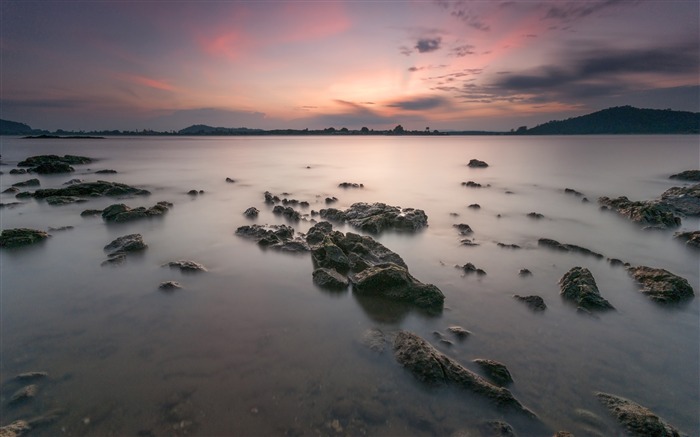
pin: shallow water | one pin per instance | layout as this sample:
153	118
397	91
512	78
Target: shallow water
252	347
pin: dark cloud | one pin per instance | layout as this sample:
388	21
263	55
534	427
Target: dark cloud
470	18
406	51
463	50
427	45
420	103
570	11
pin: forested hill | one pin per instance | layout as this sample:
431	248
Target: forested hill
622	120
8	127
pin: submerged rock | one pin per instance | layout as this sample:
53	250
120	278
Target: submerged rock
573	192
378	217
280	237
33	161
470	268
120	213
578	285
691	238
508	246
524	272
169	285
23	394
11	190
374	340
31	376
17	428
651	214
463	228
330	279
230	181
21	237
28	183
688	175
395	282
186	266
251	212
474	206
661	285
475	163
92	189
350	185
459	332
535	215
471	184
287	212
433	367
120	247
106	171
536	303
639	421
495	371
63	200
554	244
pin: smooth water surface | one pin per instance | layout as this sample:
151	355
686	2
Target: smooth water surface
252	347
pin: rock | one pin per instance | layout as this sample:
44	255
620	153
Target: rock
474	206
120	213
186	266
60	228
52	167
553	244
651	214
468	242
685	200
318	232
21	237
507	246
106	171
15	429
331	200
33	161
661	285
195	192
230	181
578	285
28	183
395	282
637	420
495	371
691	238
18	171
497	428
125	244
374	340
378	217
279	237
463	228
524	272
364	252
459	332
327	254
92	189
23	394
471	184
350	185
563	434
10	204
536	303
330	279
535	215
688	175
432	367
31	376
270	199
63	200
287	212
91	212
11	190
572	191
73	182
169	285
475	163
470	268
251	212
616	262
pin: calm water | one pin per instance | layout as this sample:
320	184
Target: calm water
252	347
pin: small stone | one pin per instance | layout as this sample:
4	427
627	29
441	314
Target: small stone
536	303
474	206
230	181
459	332
524	272
186	266
475	163
535	215
497	372
169	285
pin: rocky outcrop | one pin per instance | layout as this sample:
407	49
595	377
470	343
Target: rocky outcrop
330	279
578	285
28	183
360	251
688	175
433	367
463	228
186	266
92	189
120	247
661	285
279	237
650	214
21	237
535	215
495	371
34	161
251	212
691	238
378	217
685	200
396	283
23	394
475	163
119	213
639	421
536	303
169	286
106	171
554	244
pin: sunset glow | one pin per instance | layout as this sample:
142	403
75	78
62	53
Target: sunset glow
315	64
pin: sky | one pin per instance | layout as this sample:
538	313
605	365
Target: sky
440	64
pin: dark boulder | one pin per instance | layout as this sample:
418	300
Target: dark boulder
11	190
536	303
378	217
535	215
127	243
578	285
470	268
474	206
186	266
350	185
433	367
34	161
21	237
63	200
106	171
330	279
661	285
691	238
18	171
251	212
495	371
364	252
508	246
573	192
270	198
688	175
685	200
279	237
169	286
459	332
28	183
327	254
120	213
554	244
396	283
651	214
475	163
92	189
52	167
286	211
639	421
230	181
463	228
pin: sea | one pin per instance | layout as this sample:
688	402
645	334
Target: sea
252	347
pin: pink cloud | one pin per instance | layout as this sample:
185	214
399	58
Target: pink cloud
146	81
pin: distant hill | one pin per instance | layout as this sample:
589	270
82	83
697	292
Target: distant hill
622	120
8	127
203	129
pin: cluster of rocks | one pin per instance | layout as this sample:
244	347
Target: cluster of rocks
28	391
186	266
287	211
86	189
278	237
21	237
378	217
47	164
119	212
687	175
472	184
691	238
470	268
272	199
